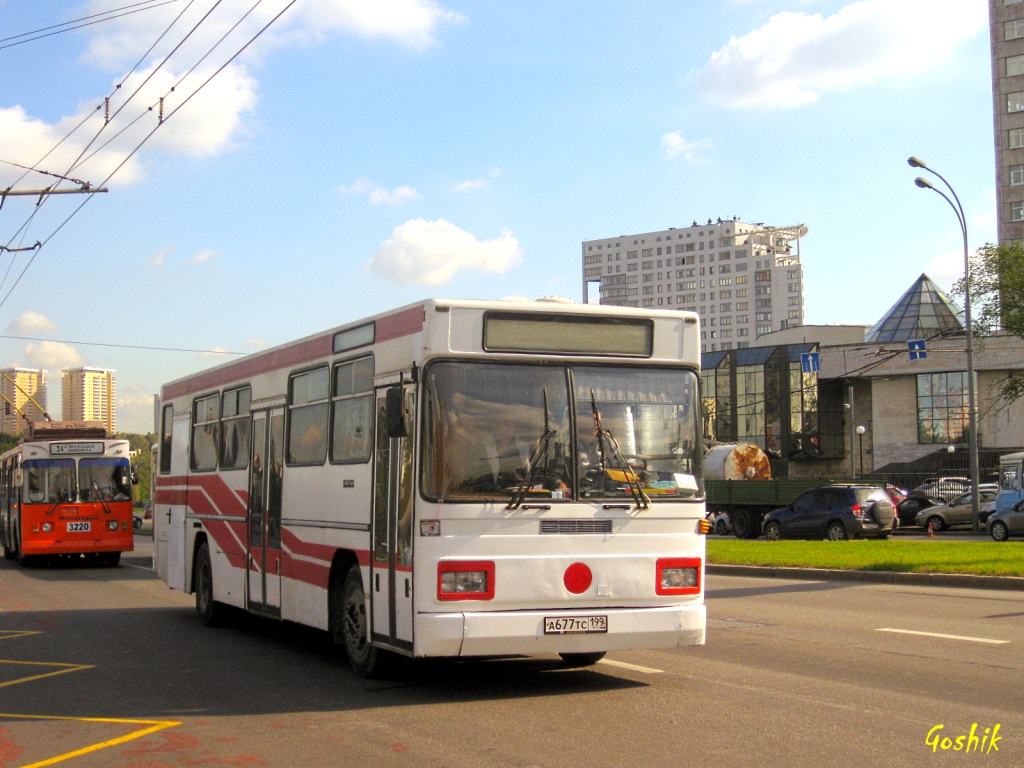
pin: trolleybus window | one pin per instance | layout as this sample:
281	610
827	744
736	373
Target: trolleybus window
50	480
307	417
165	439
352	406
234	445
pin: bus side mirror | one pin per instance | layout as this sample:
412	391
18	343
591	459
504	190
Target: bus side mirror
134	476
394	412
19	478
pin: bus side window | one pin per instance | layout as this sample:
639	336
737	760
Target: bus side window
165	439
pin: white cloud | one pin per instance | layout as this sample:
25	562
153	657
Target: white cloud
135	414
160	257
217	352
31	324
256	342
52	354
378	194
480	182
202	256
796	58
433	252
214	118
676	146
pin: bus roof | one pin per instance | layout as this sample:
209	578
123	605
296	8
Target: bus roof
391	324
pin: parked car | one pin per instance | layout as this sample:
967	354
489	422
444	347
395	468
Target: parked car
833	512
896	495
958	511
720	523
1005	523
944	488
906	510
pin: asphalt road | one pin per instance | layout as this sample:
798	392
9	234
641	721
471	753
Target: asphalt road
107	667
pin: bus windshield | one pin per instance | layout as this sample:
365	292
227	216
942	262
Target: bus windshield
560	432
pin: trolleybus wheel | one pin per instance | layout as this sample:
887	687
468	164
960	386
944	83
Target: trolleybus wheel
582	659
350	626
210	611
111	559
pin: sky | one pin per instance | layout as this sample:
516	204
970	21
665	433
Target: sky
275	168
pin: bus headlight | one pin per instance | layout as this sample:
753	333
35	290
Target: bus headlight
465	580
47	527
678	576
112	525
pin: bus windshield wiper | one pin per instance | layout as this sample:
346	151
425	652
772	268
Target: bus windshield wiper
606	442
538	458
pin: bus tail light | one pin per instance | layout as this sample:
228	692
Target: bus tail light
465	580
678	576
112	525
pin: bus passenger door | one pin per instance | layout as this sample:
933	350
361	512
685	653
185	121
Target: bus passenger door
170	512
391	559
266	477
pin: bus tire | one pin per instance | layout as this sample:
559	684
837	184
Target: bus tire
574	660
111	559
209	610
349	622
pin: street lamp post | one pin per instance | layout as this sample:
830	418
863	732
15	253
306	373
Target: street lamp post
972	436
860	446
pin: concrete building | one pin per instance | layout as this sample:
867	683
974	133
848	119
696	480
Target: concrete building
89	394
1006	18
19	387
743	279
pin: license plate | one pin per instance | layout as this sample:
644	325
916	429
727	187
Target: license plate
574	625
79	527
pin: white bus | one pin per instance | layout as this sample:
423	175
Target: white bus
452	478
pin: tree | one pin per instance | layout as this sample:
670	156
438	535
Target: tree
997	300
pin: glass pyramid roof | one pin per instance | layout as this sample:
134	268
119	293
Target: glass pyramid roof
923	312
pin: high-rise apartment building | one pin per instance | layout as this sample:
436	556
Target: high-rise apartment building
743	279
1006	18
88	394
19	388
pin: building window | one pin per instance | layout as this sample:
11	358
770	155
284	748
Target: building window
1015	102
1015	138
1014	29
1016	175
942	407
1014	65
1017	211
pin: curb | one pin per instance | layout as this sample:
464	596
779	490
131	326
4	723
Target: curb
876	577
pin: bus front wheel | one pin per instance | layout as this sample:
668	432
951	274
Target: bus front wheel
581	659
349	623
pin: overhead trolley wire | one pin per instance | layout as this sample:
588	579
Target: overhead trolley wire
88	21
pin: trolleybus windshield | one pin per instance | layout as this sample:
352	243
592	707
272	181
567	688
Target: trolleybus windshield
50	481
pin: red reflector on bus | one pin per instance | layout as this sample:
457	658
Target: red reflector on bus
465	580
577	578
678	576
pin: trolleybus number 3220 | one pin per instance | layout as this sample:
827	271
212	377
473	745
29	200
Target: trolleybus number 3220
569	625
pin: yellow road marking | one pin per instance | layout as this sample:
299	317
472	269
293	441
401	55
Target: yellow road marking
8	634
154	726
64	668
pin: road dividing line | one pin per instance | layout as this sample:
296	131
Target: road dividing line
631	667
7	634
154	726
944	637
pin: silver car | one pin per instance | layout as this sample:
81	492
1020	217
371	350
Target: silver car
1009	522
958	511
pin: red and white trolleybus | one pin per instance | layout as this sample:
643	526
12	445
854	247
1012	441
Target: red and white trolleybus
452	478
66	490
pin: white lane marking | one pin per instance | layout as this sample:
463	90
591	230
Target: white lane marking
632	667
944	637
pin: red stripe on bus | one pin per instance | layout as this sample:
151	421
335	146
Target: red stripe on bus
401	324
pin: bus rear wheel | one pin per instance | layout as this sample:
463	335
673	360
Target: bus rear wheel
209	610
349	623
111	559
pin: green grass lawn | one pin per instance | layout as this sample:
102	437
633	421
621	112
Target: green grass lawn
981	558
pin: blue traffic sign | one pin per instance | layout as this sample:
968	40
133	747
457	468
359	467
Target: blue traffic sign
917	349
810	361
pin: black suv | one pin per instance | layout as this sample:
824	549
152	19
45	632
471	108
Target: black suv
833	512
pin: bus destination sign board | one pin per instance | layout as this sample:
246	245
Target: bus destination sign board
75	449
